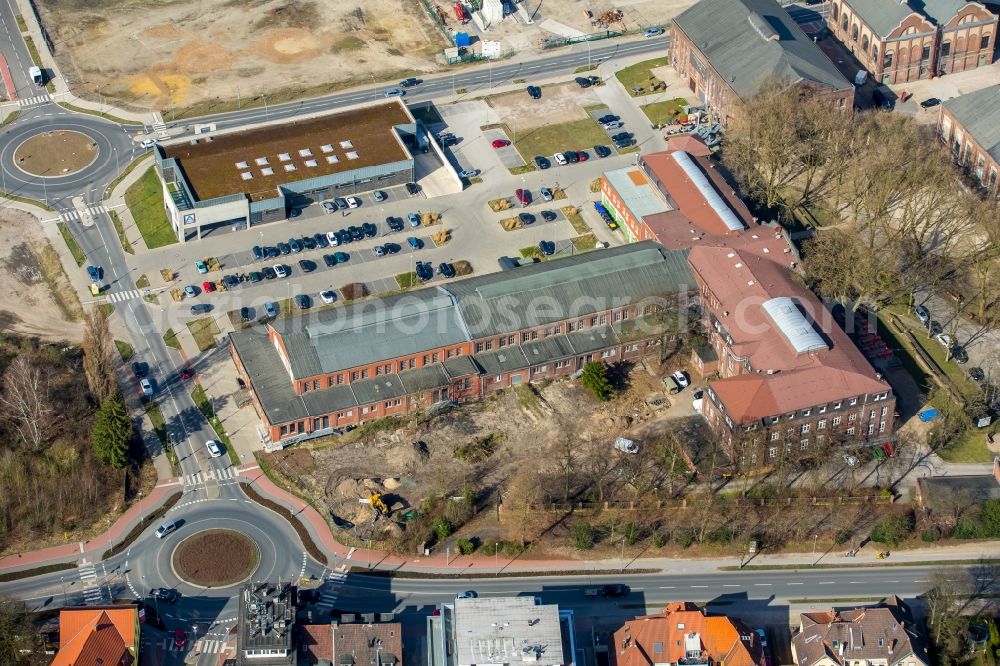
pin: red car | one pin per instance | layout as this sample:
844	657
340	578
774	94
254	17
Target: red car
582	155
180	639
524	196
500	143
208	286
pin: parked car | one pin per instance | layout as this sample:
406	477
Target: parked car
923	314
207	286
944	340
190	291
500	143
468	173
295	244
344	236
308	242
959	355
245	314
200	265
281	270
307	266
626	446
284	249
560	159
271	309
534	92
608	118
413	219
328	296
258	252
271	252
378	251
415	242
602	151
449	140
851	460
303	302
446	269
341	203
699	399
214	450
526	218
321	240
378	196
621	136
353	202
329	207
542	162
582	155
391	248
341	257
269	273
546	193
412	188
614	124
548	215
548	248
138	369
424	270
94	272
681	378
201	308
582	82
624	143
652	32
929	102
356	232
524	196
369	229
571	156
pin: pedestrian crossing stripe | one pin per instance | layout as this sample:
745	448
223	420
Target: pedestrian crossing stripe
32	101
119	296
208	646
212	474
74	215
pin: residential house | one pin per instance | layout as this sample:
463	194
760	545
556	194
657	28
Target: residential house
682	634
365	642
98	636
882	635
898	41
727	49
970	126
265	627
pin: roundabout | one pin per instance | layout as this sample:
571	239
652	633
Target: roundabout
215	558
56	153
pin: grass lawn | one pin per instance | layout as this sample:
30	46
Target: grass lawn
901	347
664	112
572	214
204	331
970	447
145	200
160	428
205	407
524	168
142	282
937	352
74	248
638	75
551	139
170	339
585	242
107	308
120	228
124	349
406	280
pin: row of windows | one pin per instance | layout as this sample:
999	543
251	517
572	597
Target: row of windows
383	369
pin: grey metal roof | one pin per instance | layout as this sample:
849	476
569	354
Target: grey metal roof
425	378
746	56
592	339
883	16
547	349
504	360
370	331
575	286
979	113
378	388
792	324
461	366
268	376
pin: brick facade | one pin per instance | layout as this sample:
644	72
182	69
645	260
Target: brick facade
917	48
974	159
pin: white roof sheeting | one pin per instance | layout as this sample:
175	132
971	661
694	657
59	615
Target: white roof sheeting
712	198
793	325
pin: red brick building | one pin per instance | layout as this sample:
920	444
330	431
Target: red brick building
458	341
898	41
789	377
726	49
970	126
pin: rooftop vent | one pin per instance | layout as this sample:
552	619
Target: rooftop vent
326	148
331	159
305	152
284	157
351	155
762	27
346	144
261	161
246	175
289	167
267	171
242	165
310	163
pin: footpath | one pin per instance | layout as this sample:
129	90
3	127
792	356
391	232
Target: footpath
342	557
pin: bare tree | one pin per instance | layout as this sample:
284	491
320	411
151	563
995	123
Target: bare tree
99	355
524	494
25	401
599	465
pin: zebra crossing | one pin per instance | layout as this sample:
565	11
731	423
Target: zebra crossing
127	295
92	591
227	474
75	215
159	126
34	101
202	645
328	597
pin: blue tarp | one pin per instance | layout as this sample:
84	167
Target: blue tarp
928	415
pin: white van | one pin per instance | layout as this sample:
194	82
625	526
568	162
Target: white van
626	445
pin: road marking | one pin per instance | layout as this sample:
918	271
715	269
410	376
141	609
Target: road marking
34	101
699	586
827	582
762	585
793	583
730	585
667	587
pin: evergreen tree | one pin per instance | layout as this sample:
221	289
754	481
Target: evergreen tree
595	378
112	432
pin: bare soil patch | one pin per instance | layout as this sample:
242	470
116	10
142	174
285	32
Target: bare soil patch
559	103
39	300
57	153
216	558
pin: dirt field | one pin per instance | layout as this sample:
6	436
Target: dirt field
171	54
28	266
215	558
559	104
56	153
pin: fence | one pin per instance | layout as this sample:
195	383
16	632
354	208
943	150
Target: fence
840	500
41	26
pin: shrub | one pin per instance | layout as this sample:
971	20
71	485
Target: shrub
928	536
465	546
722	535
442	528
965	528
631	533
685	537
659	540
842	537
595	379
892	530
583	536
990	518
511	549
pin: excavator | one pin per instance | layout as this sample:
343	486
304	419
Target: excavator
381	509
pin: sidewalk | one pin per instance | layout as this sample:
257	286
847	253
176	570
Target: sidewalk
94	547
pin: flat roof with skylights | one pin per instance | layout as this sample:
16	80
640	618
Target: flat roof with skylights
256	161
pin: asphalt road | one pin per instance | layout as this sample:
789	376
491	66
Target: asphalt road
15	51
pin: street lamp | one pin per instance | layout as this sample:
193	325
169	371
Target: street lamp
496	556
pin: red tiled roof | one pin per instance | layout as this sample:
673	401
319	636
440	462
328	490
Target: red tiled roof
93	636
316	642
742	279
689	144
662	638
363	642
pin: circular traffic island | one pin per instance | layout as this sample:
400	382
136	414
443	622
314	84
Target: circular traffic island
56	153
215	558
